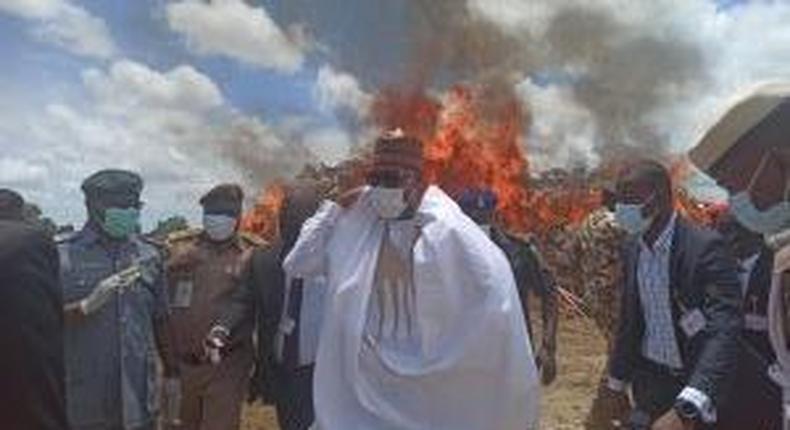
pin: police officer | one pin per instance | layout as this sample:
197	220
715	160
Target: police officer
115	311
529	270
205	267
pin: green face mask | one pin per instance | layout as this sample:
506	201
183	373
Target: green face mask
120	223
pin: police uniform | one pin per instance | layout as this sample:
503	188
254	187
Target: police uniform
202	276
111	354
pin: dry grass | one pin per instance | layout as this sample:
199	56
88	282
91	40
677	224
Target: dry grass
565	403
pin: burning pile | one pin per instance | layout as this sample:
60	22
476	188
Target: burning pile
475	140
262	220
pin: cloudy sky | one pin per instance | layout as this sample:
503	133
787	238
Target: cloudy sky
191	92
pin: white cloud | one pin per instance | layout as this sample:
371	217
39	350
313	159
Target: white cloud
236	30
339	91
15	171
722	51
173	126
64	24
31	9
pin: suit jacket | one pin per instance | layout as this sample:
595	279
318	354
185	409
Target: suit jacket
703	275
260	302
761	409
32	372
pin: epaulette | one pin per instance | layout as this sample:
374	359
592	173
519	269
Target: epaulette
157	243
182	235
251	239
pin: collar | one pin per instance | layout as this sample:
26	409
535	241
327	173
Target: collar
663	242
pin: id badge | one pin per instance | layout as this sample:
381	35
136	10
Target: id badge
693	322
755	322
183	294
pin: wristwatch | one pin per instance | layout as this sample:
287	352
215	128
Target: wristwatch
687	411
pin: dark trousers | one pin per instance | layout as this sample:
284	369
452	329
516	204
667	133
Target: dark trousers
756	402
294	398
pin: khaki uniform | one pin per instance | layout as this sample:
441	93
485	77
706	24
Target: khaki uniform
202	277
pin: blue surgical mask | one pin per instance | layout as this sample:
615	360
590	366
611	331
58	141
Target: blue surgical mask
631	219
767	222
120	223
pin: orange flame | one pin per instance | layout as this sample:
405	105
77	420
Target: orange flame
263	219
705	213
475	143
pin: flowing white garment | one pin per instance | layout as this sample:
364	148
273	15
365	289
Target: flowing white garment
423	325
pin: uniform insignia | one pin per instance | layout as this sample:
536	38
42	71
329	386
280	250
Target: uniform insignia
182	235
251	239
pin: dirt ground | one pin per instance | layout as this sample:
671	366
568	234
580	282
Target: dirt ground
565	403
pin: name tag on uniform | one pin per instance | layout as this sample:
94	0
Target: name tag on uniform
693	322
183	294
755	322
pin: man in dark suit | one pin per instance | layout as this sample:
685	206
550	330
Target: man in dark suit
32	392
762	408
677	343
287	312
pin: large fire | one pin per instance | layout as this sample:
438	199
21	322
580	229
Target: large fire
262	220
473	140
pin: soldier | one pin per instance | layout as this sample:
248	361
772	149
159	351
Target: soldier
115	311
747	152
205	267
530	272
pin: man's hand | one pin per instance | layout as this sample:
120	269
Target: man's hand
547	364
672	421
348	198
216	340
98	297
615	405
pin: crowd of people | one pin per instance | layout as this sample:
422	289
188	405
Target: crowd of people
392	305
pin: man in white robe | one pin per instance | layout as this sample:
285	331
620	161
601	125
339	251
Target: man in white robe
423	326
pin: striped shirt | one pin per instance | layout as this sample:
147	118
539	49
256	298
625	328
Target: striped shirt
659	343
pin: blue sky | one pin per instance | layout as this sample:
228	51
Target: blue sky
190	93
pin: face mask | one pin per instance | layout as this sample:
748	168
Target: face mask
120	223
769	221
630	218
219	227
389	203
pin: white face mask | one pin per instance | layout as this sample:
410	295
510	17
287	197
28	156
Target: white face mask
631	219
219	227
389	203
